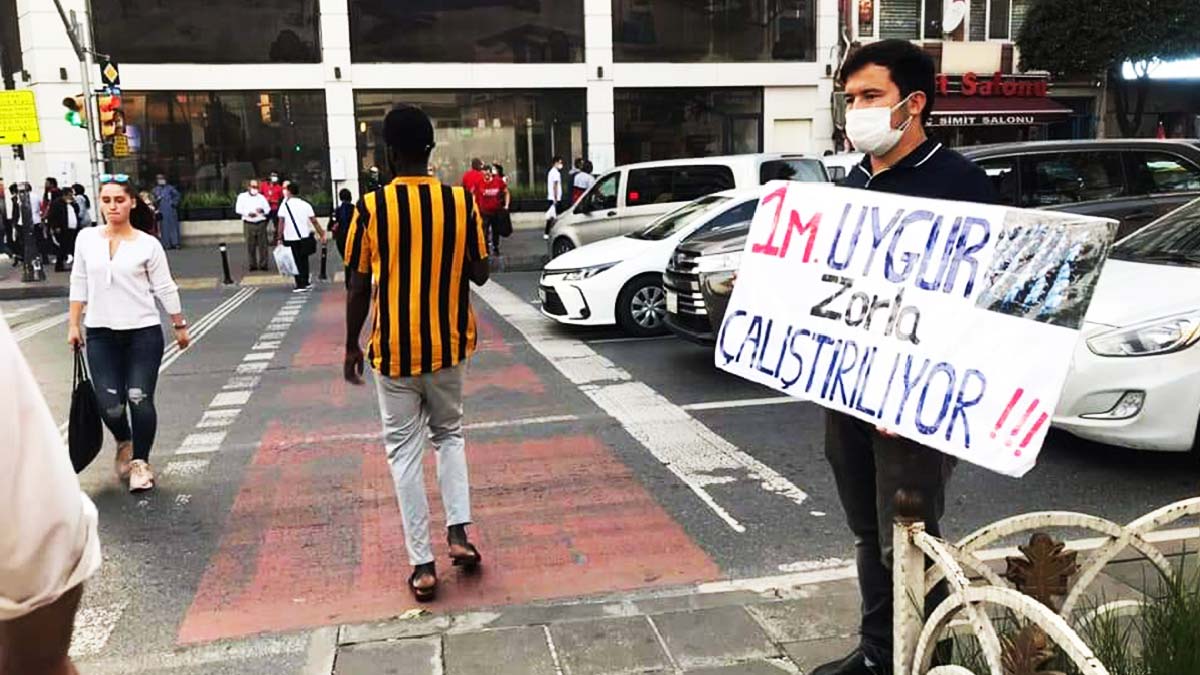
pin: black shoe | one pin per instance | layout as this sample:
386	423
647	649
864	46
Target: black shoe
853	664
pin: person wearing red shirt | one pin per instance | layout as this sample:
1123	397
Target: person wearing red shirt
473	179
273	190
493	203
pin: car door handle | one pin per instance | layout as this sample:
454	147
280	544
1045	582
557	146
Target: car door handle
610	214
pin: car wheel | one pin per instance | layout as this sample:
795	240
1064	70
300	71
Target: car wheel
561	246
642	307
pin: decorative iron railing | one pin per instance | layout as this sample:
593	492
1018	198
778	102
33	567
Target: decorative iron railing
1029	589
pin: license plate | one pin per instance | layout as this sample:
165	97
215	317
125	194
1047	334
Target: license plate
542	295
672	303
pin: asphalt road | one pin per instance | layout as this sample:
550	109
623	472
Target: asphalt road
598	464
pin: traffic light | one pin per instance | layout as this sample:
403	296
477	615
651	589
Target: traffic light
109	105
76	114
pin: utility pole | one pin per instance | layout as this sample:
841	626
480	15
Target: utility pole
77	35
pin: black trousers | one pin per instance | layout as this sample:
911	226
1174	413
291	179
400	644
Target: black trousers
869	468
300	253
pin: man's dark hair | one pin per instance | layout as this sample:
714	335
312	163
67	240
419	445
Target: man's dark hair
294	188
556	159
345	195
477	164
52	181
408	131
78	189
910	67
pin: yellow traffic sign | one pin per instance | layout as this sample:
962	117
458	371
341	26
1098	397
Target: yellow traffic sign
120	145
18	118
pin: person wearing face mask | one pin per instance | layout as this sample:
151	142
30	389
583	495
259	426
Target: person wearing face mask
254	210
889	88
272	189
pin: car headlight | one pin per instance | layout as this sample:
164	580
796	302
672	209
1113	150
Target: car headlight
726	262
587	272
1158	336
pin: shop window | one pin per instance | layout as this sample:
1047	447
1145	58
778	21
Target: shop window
453	31
673	123
153	31
685	31
1066	178
1159	172
211	143
522	130
900	19
999	17
1002	172
676	184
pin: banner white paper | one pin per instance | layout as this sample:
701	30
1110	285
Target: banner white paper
949	323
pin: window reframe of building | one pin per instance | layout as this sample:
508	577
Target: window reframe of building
874	35
625	50
987	21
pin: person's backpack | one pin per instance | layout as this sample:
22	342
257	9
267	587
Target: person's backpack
85	434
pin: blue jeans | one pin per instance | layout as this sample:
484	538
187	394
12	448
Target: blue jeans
124	366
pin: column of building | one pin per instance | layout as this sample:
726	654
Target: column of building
339	94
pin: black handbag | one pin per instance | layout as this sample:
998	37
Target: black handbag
503	223
85	434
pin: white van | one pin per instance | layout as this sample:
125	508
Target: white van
627	198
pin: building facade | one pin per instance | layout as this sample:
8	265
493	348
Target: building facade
219	91
982	96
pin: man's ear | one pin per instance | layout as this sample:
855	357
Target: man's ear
917	103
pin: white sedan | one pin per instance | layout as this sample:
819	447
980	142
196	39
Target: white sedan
619	280
1135	375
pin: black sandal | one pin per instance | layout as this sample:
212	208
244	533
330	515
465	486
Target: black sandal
423	594
467	562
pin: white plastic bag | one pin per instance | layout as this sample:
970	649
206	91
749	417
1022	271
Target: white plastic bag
552	212
285	262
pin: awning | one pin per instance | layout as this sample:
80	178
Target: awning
986	111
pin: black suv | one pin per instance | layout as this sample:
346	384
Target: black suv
1132	181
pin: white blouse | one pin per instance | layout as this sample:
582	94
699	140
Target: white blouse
120	290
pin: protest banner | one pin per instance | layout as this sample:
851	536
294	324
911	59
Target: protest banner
949	323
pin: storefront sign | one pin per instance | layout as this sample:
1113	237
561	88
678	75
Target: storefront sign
971	84
948	323
18	118
981	120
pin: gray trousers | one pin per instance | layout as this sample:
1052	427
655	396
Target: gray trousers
412	409
257	244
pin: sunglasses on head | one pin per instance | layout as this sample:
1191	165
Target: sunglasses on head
114	178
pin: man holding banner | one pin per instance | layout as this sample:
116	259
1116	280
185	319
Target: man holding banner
889	89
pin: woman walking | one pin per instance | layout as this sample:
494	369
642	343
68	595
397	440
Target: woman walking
118	273
494	199
297	221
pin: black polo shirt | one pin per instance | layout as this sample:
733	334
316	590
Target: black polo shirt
931	170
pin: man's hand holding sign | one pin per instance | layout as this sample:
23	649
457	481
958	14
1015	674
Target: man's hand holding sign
948	323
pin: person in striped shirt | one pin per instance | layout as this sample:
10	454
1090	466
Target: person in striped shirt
421	244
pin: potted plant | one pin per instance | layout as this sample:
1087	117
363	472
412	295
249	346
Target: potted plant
207	205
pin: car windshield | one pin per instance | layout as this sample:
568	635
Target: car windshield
804	170
679	218
1172	240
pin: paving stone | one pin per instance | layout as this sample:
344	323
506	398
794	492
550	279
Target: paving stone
505	651
400	657
697	601
394	629
747	668
810	654
606	646
549	614
828	616
713	637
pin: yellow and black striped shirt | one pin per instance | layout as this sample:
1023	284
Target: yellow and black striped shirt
416	238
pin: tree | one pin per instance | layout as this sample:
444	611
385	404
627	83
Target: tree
1098	37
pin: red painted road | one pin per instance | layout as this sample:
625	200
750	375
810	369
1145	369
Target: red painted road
314	536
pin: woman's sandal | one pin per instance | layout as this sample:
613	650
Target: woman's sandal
423	594
467	562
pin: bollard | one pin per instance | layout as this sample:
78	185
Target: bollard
324	259
228	280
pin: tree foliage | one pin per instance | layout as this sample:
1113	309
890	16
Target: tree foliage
1089	38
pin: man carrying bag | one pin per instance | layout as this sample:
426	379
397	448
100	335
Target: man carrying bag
297	222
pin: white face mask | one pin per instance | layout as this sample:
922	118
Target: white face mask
870	129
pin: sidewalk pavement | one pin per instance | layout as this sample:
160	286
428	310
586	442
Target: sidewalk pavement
787	624
199	267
